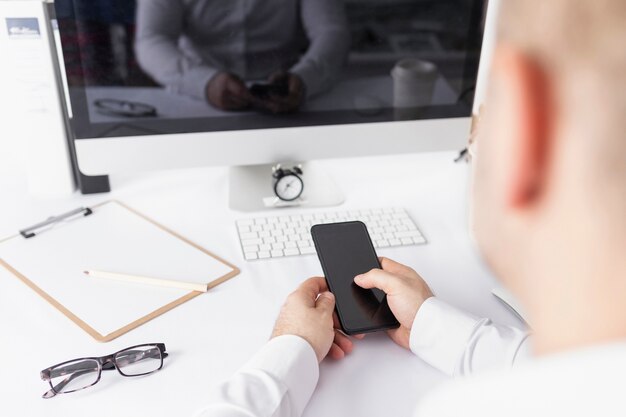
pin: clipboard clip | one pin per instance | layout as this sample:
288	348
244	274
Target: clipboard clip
33	230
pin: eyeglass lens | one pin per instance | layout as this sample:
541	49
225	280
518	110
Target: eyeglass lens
140	360
74	376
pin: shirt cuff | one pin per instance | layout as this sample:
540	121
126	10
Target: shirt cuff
440	333
310	78
194	82
291	360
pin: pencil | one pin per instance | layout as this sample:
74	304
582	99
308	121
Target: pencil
192	286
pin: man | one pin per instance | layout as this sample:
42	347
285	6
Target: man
549	214
208	49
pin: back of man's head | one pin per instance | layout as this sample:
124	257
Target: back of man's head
582	44
550	173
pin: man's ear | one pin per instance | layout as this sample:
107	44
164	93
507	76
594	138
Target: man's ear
526	100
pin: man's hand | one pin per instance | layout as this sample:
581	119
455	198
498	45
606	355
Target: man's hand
287	103
228	92
308	313
406	292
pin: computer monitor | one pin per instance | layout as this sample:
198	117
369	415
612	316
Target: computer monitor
157	84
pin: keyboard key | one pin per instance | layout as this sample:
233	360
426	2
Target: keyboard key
291	245
303	244
406	241
265	248
277	253
278	246
419	240
244	229
250	235
394	242
382	243
307	251
249	242
410	233
251	248
292	252
264	255
250	256
256	228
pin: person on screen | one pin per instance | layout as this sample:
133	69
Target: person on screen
549	196
210	49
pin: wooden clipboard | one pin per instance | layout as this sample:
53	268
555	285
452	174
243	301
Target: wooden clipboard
229	269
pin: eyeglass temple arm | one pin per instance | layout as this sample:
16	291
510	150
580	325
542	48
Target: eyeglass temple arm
58	387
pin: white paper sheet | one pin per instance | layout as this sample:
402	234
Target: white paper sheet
112	239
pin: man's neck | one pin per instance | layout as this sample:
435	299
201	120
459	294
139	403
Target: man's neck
578	309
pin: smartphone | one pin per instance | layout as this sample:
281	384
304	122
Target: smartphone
265	91
345	250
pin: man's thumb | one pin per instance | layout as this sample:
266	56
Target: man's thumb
376	278
326	302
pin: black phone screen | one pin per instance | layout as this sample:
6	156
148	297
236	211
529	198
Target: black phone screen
345	250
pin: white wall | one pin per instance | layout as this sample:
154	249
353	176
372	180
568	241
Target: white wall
12	146
32	129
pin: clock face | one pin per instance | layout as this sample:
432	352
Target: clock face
289	188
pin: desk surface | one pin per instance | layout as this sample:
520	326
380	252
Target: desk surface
211	336
361	94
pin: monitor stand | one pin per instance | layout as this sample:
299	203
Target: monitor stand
251	188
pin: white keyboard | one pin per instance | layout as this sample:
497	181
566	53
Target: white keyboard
290	235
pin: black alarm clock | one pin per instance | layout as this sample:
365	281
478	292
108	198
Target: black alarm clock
288	184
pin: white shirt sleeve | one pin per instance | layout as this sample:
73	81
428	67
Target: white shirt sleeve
277	382
326	27
458	343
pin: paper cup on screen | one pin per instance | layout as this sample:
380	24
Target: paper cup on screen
413	86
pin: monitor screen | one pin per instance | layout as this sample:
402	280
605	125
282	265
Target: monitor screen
150	67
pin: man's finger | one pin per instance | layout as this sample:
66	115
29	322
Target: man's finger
343	342
394	267
377	278
336	323
310	289
326	302
336	352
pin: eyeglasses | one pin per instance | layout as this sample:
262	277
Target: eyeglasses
78	374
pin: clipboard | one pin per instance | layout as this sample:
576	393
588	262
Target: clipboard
50	258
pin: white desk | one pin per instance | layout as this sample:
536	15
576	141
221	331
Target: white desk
211	336
361	94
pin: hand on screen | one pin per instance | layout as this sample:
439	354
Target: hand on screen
228	92
309	313
406	292
282	103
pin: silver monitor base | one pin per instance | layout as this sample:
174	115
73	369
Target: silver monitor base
251	188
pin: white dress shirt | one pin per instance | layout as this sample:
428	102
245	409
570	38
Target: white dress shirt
281	378
182	44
